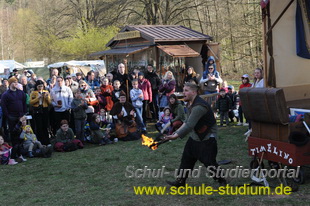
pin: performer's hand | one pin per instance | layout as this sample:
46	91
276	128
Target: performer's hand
171	137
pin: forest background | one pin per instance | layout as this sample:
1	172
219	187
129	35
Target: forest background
61	30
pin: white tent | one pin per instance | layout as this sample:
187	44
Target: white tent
291	71
56	65
11	64
78	63
2	68
82	66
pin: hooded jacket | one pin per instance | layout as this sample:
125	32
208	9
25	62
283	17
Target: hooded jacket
146	88
210	85
206	72
64	94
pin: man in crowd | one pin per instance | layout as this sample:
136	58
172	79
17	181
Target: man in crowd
110	78
4	87
13	103
201	145
24	82
73	85
79	77
155	82
54	72
91	81
122	77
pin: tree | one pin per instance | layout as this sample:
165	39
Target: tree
24	22
80	44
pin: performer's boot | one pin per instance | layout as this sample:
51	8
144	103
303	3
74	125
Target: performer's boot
178	182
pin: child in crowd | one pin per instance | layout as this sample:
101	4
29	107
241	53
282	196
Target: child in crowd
5	153
223	105
116	91
101	99
78	106
65	141
136	96
164	119
232	94
245	83
105	119
99	136
30	140
106	91
225	86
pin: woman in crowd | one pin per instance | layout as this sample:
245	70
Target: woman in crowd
88	95
177	110
190	76
40	101
258	78
166	89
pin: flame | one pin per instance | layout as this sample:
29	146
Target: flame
148	142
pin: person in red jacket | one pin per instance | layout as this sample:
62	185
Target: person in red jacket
146	88
106	91
245	83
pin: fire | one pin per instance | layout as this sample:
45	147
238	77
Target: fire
149	142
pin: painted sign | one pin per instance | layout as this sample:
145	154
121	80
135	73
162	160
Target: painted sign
274	150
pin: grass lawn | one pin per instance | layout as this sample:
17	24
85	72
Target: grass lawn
95	175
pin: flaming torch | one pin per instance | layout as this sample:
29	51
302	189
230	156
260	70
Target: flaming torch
147	141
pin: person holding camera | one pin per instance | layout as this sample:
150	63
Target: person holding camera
61	100
40	100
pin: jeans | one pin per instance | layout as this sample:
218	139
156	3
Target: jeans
140	122
222	116
79	128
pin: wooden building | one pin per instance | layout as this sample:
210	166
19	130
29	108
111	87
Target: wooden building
166	47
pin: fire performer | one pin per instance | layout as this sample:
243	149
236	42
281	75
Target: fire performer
202	145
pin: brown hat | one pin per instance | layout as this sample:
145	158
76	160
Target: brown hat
12	79
122	93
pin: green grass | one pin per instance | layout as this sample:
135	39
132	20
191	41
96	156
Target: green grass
95	175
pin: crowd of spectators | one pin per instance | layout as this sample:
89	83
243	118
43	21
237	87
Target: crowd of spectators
62	113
